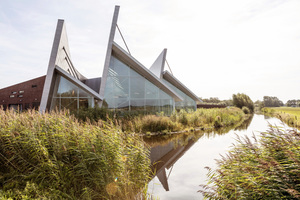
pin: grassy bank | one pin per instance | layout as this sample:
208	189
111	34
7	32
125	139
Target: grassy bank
53	156
266	169
289	115
178	121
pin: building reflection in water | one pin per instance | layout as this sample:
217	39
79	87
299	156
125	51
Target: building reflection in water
163	157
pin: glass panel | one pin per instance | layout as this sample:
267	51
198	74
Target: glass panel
152	105
109	103
121	88
137	87
151	91
122	103
187	101
133	73
127	90
68	89
69	103
109	88
67	95
137	104
166	106
163	95
117	68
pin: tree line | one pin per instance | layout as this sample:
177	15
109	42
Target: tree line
240	100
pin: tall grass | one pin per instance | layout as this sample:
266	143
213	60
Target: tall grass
264	169
53	156
201	118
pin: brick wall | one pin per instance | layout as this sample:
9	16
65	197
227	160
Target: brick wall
24	95
210	106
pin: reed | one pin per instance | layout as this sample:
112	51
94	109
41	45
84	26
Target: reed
54	156
267	168
161	124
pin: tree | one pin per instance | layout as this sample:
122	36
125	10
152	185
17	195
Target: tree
211	100
259	104
241	100
272	102
293	103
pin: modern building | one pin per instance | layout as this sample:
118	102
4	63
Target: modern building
125	85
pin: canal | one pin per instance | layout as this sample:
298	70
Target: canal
180	160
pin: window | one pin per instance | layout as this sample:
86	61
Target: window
34	86
127	90
11	96
21	91
69	96
14	92
188	103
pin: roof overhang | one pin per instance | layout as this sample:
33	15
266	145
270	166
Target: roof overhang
121	54
174	81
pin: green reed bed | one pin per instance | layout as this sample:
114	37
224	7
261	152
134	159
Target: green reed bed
53	156
289	115
182	120
268	168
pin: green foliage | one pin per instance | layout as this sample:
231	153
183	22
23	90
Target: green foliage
241	100
268	111
179	120
53	156
259	105
246	110
266	169
293	103
272	102
216	101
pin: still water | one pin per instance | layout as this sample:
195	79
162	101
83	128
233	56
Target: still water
180	160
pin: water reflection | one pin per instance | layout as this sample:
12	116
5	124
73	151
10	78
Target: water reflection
167	150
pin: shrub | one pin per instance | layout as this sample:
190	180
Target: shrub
241	100
246	110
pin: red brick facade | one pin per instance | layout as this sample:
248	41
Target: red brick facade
210	106
23	95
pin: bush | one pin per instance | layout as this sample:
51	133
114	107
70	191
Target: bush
246	110
53	156
267	169
241	100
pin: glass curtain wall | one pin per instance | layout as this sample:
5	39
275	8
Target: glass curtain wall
67	95
188	103
127	90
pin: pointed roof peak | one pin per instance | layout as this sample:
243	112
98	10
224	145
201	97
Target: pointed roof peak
158	66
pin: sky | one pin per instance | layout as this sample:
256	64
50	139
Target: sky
216	48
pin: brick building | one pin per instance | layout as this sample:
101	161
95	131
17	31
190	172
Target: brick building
23	96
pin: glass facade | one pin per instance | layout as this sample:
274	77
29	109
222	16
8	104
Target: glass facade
127	90
188	103
67	95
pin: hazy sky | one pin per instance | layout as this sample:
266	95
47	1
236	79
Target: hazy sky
216	48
